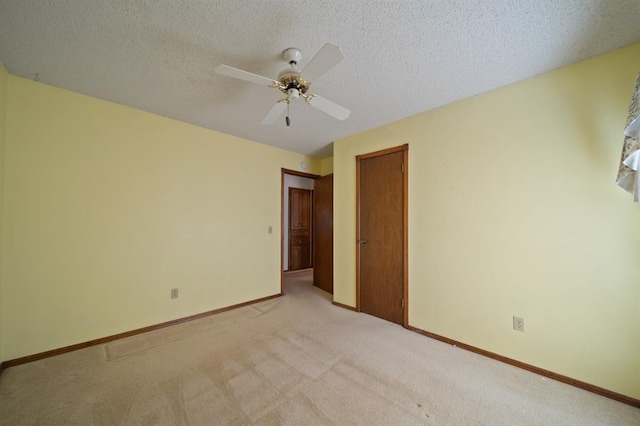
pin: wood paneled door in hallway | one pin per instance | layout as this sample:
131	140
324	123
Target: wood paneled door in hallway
299	228
323	233
382	237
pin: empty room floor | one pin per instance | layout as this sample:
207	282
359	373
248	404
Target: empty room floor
296	359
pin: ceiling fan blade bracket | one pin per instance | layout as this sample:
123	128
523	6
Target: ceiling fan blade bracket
308	97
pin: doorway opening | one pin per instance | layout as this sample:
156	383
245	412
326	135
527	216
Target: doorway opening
298	228
307	227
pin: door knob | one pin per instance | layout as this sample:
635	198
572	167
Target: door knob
363	241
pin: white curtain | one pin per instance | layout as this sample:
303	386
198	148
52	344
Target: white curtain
629	172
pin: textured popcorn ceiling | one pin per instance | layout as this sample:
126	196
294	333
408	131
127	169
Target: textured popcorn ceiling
402	57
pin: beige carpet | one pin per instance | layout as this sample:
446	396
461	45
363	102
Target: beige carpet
292	360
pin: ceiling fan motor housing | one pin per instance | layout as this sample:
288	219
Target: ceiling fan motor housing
291	79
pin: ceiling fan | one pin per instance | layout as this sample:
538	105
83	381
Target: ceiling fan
290	81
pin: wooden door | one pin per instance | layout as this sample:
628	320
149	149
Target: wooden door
323	233
382	237
299	228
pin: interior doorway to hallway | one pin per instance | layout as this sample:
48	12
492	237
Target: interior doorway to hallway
307	226
297	224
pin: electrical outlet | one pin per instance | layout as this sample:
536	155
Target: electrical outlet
518	324
174	293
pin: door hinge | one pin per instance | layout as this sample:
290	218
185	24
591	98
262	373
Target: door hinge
403	303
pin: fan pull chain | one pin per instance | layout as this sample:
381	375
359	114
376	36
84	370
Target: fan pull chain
287	117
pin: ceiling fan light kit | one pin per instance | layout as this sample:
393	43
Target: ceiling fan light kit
291	83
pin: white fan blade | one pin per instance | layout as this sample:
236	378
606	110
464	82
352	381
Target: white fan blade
328	107
243	75
274	113
327	57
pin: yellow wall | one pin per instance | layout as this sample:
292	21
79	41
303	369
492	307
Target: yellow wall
107	208
326	166
513	210
3	125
